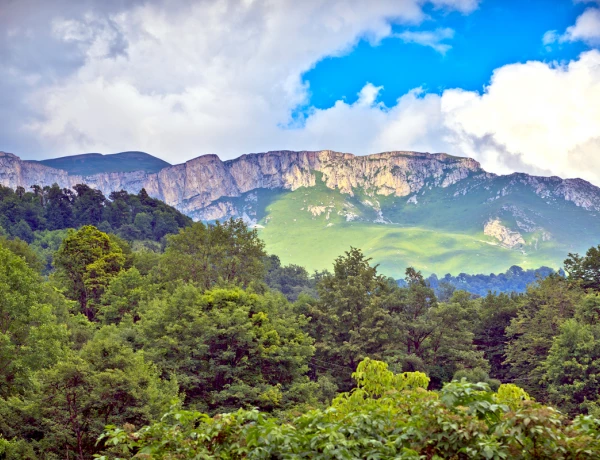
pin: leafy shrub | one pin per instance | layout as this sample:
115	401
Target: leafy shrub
386	416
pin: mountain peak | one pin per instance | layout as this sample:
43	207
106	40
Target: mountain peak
87	164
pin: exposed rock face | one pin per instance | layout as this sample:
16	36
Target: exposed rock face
507	237
14	172
193	187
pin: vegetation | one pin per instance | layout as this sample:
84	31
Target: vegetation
386	416
311	226
515	279
132	217
249	358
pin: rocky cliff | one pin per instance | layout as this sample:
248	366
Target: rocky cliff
194	186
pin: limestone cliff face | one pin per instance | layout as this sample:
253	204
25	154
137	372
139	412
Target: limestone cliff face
14	172
193	187
507	237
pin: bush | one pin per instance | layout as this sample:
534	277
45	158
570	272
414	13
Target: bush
386	416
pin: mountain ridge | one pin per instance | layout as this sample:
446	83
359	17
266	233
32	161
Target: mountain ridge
436	211
94	163
192	188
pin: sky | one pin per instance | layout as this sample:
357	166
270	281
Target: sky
513	84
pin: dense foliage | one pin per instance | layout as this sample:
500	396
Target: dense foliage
132	217
515	279
386	416
249	358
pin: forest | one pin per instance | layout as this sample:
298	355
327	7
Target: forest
128	331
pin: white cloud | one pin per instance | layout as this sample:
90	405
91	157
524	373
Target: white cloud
200	77
532	117
225	77
585	29
550	37
434	39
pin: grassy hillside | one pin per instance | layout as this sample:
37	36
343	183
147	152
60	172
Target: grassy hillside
441	233
95	163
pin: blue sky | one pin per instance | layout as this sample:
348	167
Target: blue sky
499	32
513	84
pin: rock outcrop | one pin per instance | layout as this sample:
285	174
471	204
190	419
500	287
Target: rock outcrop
507	237
195	186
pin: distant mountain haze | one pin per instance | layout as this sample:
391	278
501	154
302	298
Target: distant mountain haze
97	163
436	212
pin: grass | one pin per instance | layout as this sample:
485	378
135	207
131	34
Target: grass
442	234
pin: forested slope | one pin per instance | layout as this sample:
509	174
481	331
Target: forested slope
117	336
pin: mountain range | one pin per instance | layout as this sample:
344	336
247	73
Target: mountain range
436	212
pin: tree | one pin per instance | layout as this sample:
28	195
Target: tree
209	254
572	368
122	298
59	208
412	308
105	383
30	337
228	348
45	245
23	231
143	222
387	416
89	206
585	270
544	308
87	260
495	312
349	321
22	249
430	336
450	347
291	280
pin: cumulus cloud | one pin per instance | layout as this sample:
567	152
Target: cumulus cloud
433	39
178	78
585	29
225	77
534	117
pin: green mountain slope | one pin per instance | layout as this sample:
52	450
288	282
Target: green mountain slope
96	163
440	231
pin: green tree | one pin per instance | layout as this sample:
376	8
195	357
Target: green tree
291	280
585	270
433	337
412	309
23	231
143	222
105	383
544	308
208	254
387	416
450	347
59	208
572	368
87	260
22	249
45	244
495	312
349	321
228	348
89	205
30	337
122	298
